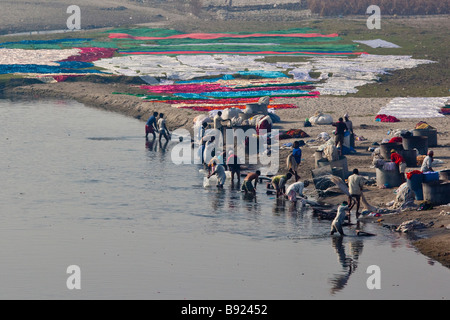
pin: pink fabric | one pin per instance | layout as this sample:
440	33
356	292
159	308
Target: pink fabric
313	94
243	52
208	36
199	88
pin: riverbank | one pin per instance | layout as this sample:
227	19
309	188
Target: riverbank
433	241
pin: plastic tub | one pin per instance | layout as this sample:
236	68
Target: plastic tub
431	176
415	184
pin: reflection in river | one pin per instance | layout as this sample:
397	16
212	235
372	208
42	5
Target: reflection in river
82	186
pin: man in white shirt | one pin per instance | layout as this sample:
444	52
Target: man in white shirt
355	186
163	131
296	189
427	162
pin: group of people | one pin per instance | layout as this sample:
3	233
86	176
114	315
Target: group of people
355	187
157	125
427	163
342	126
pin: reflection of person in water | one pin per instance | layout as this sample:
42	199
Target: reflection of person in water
348	263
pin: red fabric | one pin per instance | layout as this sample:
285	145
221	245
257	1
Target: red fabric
90	54
264	125
210	108
445	110
225	101
411	173
397	158
386	118
62	78
200	88
396	139
149	129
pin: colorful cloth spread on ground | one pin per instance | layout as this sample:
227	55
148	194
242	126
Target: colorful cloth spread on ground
407	108
52	61
171	57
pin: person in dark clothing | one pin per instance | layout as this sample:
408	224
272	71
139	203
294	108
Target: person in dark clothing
341	128
150	126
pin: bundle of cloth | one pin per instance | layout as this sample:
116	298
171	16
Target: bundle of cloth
404	198
386	118
321	118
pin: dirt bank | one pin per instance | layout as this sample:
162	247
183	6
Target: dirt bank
433	242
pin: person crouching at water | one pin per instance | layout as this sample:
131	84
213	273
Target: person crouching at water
247	186
162	128
219	171
279	183
150	126
296	189
336	225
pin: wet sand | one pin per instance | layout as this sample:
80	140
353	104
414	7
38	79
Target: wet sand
433	242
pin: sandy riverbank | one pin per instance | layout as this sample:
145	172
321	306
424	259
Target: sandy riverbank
433	242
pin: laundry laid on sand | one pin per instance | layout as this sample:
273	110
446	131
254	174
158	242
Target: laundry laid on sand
402	108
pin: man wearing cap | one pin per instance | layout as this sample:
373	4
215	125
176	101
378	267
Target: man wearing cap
400	161
427	162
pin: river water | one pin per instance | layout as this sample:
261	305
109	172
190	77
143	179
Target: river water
81	187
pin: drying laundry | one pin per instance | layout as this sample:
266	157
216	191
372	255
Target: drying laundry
378	43
407	108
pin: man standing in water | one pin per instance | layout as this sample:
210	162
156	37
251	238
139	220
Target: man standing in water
163	131
355	186
336	225
150	126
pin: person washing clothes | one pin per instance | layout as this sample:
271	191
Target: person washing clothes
400	162
428	162
219	171
279	183
338	221
295	189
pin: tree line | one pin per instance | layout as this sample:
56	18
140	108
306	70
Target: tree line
387	7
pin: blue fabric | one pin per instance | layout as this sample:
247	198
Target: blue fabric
239	94
263	73
33	42
64	67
